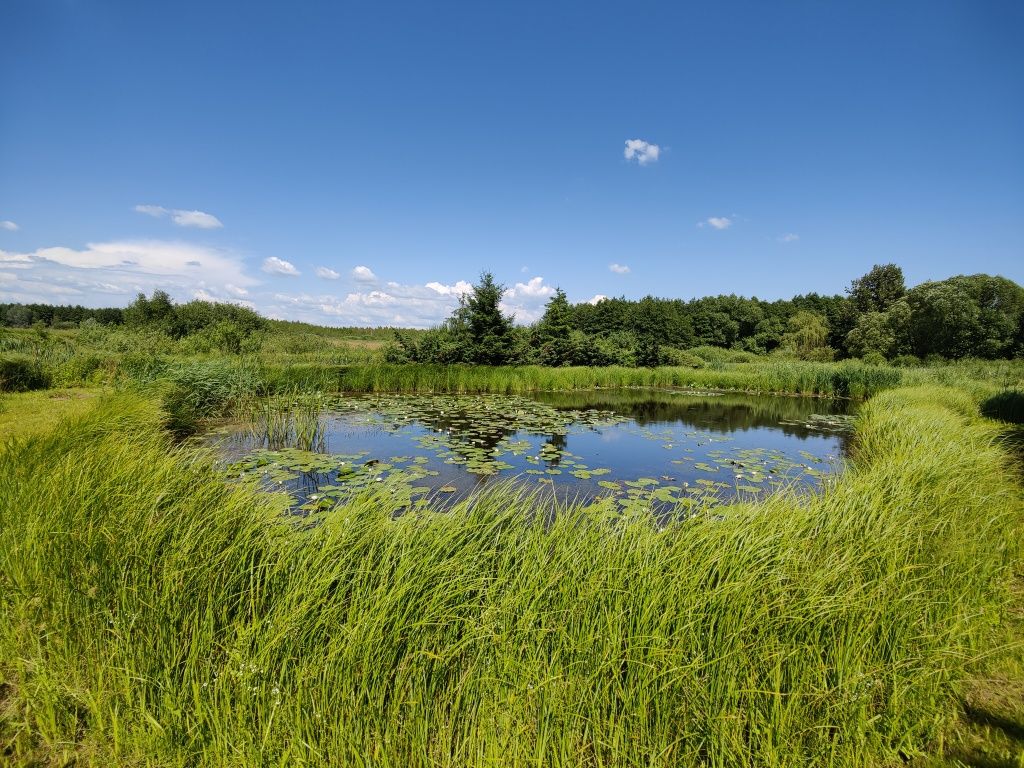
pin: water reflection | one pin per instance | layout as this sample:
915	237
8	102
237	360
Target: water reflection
622	444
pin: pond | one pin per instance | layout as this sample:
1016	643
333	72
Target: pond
662	448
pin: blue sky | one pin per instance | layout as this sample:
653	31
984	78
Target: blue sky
359	163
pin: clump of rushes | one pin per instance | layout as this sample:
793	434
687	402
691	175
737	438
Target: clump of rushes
292	420
149	613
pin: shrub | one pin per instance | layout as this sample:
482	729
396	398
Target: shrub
205	390
907	361
20	373
681	358
77	369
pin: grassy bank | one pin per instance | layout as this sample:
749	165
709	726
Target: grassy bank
151	614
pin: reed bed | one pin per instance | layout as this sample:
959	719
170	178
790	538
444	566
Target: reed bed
846	379
152	614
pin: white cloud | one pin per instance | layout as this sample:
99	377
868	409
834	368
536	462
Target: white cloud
718	222
526	300
789	237
156	211
598	297
183	218
123	268
204	295
642	151
15	260
457	289
416	306
535	288
363	274
276	266
619	269
327	273
10	226
197	219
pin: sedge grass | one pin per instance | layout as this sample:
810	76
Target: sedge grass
151	614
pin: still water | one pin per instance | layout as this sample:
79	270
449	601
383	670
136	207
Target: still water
667	448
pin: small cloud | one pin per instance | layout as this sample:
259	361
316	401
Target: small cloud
234	289
619	269
363	274
789	237
642	151
458	289
598	297
276	266
535	288
524	269
718	222
156	211
327	273
204	295
10	226
197	219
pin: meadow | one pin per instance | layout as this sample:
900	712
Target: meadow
153	614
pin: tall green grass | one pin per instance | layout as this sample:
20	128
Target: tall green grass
151	614
846	379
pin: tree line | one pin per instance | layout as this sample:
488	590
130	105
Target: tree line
878	318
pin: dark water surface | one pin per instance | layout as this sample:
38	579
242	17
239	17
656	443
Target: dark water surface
635	446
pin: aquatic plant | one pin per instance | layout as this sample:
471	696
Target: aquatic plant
290	420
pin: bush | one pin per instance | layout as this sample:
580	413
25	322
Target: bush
20	373
710	354
205	390
874	358
906	361
681	358
821	355
78	369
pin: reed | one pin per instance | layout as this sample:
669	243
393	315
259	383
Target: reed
846	379
291	420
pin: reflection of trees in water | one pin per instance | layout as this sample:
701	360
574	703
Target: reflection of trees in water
715	413
465	436
471	439
559	442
